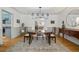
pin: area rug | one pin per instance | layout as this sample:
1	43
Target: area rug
39	45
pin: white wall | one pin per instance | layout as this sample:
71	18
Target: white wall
30	22
27	20
0	24
1	40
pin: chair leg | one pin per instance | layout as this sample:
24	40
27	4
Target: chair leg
43	38
37	37
49	41
30	40
55	39
46	37
27	38
24	39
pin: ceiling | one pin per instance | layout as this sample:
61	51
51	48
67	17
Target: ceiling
74	12
30	10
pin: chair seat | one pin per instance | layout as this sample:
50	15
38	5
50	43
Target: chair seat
26	35
52	35
22	31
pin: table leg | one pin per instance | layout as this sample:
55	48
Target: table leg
30	40
55	39
42	37
37	37
46	37
24	39
49	41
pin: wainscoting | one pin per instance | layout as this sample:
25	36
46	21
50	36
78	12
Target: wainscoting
15	32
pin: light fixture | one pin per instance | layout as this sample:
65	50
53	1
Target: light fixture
40	14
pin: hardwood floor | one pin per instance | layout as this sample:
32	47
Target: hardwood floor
73	47
6	43
9	42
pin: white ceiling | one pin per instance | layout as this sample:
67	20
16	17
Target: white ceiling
74	12
30	10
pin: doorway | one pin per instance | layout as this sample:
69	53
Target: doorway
39	24
6	23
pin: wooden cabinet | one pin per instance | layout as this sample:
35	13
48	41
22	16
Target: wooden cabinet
70	32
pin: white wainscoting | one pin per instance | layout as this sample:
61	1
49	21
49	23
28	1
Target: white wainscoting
15	31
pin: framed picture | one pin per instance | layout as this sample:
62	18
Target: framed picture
52	22
18	21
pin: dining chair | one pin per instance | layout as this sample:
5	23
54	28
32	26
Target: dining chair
53	36
26	36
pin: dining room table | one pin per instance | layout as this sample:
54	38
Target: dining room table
47	35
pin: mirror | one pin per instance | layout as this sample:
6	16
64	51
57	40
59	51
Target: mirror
73	18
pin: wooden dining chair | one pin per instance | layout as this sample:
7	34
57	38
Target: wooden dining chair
33	35
53	36
26	36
